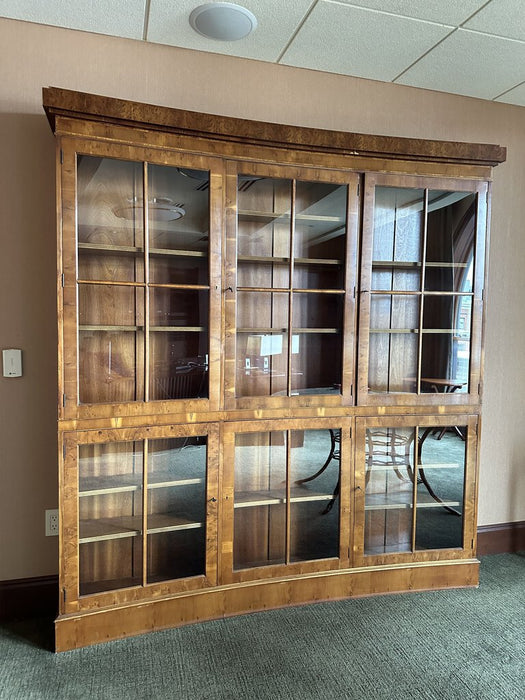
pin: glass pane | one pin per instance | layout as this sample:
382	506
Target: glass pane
440	491
110	228
320	235
394	341
392	362
389	492
314	479
259	499
401	278
398	226
445	355
179	222
262	343
317	345
110	343
176	508
394	312
178	344
450	241
263	234
110	516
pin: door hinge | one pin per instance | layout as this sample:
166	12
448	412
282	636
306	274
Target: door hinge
358	188
63	280
61	157
64	450
64	400
64	596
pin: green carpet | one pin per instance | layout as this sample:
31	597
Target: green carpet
467	644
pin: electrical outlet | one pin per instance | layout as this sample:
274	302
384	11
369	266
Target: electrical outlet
51	523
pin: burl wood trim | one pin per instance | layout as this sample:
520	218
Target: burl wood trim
78	630
58	101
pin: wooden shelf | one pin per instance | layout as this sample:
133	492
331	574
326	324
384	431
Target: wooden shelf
400	501
125	526
390	466
286	261
168	522
408	264
112	329
177	329
255	331
134	250
153	329
424	331
251	499
394	330
269	216
100	485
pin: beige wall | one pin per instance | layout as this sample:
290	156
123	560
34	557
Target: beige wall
32	56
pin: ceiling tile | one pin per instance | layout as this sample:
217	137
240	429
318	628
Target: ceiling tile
469	63
441	11
502	17
123	18
342	39
169	24
516	96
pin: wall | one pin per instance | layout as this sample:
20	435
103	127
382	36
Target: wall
33	56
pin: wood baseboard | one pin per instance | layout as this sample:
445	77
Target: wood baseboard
501	538
24	598
38	597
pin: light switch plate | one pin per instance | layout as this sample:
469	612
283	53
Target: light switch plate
12	362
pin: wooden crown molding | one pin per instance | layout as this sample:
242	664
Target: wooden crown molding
80	105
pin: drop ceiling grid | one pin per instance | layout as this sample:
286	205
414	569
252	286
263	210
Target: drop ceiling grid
441	11
470	63
366	44
467	47
124	18
277	22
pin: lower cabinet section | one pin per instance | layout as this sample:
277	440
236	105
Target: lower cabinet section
167	525
415	487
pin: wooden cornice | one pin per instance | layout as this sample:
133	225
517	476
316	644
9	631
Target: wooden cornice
79	105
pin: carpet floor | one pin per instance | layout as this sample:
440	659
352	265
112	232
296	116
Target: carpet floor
466	644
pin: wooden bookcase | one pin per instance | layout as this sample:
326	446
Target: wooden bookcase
270	364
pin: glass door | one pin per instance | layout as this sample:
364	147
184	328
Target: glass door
140	279
421	291
290	320
145	509
288	485
414	486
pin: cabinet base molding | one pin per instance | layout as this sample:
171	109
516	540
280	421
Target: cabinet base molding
103	625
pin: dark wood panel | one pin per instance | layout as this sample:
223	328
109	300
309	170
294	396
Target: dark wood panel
501	538
62	102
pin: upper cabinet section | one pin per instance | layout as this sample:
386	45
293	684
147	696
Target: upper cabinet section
211	264
421	290
290	287
138	300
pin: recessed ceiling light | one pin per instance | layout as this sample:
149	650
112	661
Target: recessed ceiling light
223	21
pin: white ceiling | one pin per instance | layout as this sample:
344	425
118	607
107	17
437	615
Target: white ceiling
467	47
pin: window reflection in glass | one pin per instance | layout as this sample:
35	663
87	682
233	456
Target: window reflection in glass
420	327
